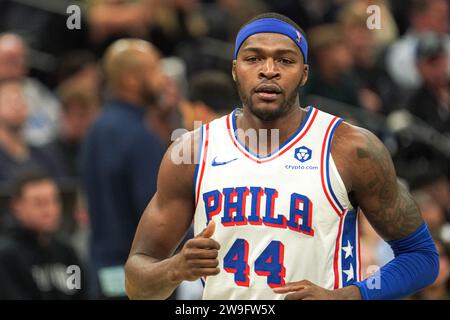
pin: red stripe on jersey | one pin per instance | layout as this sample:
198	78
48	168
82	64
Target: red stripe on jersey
279	152
203	162
323	164
337	251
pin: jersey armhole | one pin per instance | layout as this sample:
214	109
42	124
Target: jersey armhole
200	161
333	171
329	170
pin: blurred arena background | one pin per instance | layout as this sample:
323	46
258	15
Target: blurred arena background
392	78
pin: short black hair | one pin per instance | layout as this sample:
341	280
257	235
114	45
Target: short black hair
278	16
215	89
26	177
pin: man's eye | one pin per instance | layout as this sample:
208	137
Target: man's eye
252	59
286	61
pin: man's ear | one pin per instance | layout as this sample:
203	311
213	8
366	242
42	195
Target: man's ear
233	70
305	74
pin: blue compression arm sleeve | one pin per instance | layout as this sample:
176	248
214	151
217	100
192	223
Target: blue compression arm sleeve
415	266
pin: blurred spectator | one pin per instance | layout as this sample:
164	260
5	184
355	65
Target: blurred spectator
15	153
225	17
359	39
306	13
432	213
163	117
42	24
438	187
356	9
80	108
211	47
80	68
378	92
110	20
331	66
80	228
438	290
44	108
120	159
176	22
425	16
212	94
431	102
34	260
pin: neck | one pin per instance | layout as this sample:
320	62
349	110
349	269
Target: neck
286	125
130	97
44	238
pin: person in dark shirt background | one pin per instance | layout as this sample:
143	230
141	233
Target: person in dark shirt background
211	95
15	153
332	77
79	110
120	159
431	102
35	262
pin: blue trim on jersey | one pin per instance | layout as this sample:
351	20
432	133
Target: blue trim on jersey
349	256
305	121
197	164
327	164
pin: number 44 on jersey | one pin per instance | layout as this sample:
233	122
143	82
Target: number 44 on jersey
269	263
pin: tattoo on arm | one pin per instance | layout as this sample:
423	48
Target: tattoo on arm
387	204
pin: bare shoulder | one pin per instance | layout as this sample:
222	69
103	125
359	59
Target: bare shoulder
367	167
355	150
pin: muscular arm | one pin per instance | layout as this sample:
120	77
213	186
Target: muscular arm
370	176
150	271
386	203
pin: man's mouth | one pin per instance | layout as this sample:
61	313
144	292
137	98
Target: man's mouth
267	92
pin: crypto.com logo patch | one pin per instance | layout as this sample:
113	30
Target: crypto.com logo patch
303	154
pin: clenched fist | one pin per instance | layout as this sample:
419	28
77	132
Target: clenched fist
198	258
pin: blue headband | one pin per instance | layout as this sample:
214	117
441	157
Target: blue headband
272	25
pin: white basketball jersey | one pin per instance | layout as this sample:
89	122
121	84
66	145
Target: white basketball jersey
281	218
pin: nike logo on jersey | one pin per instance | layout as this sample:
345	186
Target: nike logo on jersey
215	163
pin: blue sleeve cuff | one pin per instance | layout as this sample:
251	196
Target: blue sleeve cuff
415	266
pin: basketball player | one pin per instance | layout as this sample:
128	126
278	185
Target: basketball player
281	223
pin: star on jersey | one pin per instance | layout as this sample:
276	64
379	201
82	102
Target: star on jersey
350	273
348	250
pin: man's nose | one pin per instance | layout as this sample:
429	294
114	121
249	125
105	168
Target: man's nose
269	70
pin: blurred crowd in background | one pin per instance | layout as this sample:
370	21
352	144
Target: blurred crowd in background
86	114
